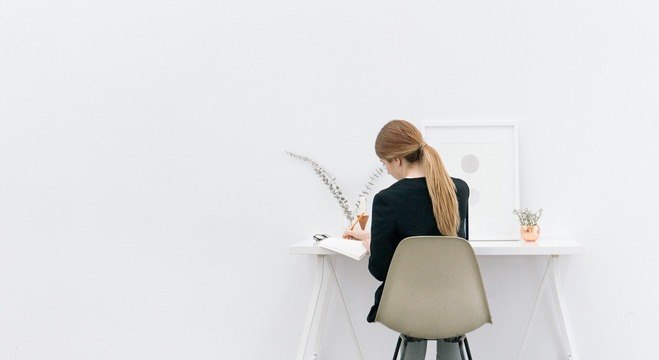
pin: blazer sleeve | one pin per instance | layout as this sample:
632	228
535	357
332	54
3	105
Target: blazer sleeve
383	237
463	206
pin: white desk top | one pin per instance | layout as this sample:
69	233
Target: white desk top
542	246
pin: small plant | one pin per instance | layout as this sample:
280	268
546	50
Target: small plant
334	188
527	217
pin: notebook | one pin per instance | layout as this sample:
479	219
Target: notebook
350	248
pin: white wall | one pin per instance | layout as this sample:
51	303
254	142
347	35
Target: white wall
147	205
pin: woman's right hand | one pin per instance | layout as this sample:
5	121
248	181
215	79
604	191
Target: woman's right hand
359	234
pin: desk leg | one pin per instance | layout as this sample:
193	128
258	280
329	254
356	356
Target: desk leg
345	306
543	286
561	308
553	267
311	313
325	300
320	298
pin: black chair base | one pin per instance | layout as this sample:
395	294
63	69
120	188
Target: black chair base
461	340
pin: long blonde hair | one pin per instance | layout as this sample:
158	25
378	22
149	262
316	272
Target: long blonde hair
401	139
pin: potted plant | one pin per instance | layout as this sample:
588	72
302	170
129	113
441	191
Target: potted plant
528	221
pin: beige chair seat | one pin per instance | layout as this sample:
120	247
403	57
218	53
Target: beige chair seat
434	291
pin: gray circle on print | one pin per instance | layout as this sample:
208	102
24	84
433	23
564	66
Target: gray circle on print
474	197
470	164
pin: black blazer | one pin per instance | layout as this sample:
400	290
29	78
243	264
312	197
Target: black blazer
400	211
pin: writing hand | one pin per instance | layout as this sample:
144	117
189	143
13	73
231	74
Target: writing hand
361	235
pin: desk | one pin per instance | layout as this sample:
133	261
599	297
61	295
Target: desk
552	248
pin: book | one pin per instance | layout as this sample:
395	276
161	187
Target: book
350	248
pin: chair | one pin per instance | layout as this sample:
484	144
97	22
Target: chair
434	291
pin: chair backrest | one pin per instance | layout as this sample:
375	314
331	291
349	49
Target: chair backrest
434	289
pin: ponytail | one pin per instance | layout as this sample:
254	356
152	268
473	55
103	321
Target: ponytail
442	191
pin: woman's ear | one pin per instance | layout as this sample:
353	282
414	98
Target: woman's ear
396	162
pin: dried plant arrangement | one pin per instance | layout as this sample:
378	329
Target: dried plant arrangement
527	217
368	187
334	188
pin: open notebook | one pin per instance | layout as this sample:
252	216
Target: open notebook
350	248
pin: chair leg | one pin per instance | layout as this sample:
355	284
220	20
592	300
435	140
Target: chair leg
461	347
468	350
397	348
403	349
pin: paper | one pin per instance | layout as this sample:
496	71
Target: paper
350	248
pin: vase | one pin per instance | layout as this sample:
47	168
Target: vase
530	233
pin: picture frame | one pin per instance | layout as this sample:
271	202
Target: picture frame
485	155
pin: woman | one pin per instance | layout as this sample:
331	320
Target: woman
424	201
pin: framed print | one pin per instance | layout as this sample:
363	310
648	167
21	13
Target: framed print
485	156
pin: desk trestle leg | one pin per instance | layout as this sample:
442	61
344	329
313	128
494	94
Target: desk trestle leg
345	306
325	298
318	308
553	268
313	305
561	308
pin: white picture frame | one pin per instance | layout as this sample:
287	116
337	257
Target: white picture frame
485	155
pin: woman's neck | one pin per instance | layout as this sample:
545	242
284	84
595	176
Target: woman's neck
414	170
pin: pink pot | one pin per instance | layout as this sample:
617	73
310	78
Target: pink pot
530	233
